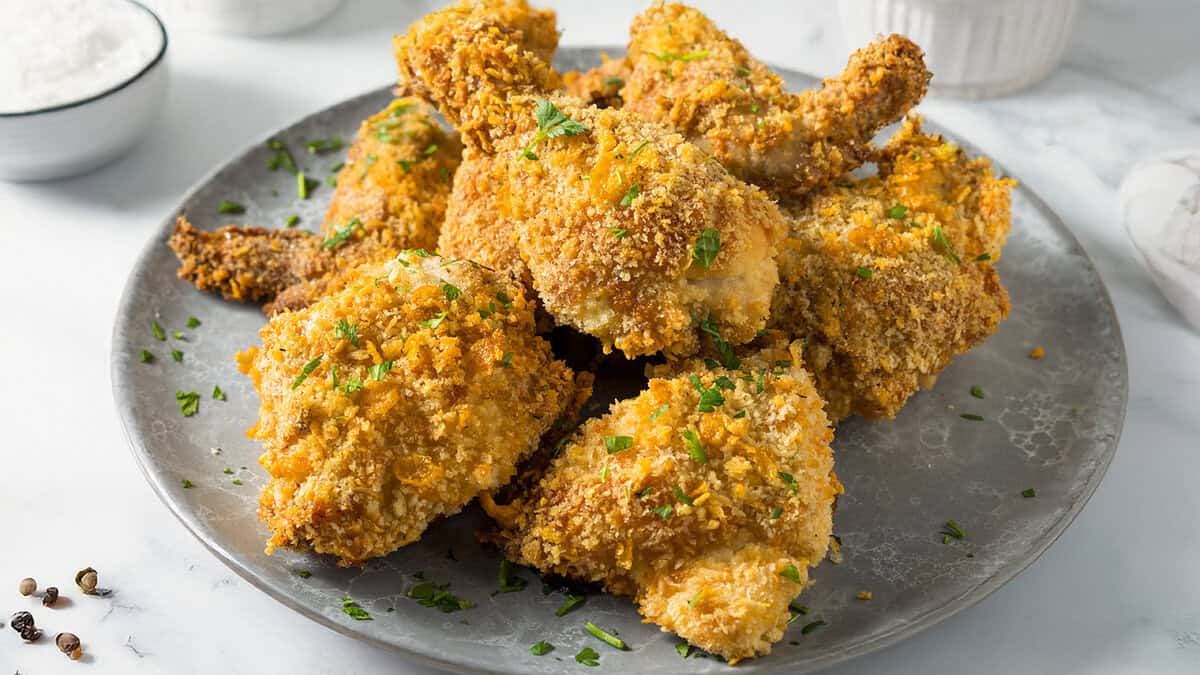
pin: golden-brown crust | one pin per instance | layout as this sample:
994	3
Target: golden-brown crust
606	219
880	302
397	178
246	264
600	86
360	463
700	540
688	73
476	227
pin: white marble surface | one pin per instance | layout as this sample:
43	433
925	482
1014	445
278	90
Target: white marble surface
1120	592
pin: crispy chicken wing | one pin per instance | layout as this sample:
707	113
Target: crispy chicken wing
475	226
391	195
396	400
707	497
887	278
688	73
627	230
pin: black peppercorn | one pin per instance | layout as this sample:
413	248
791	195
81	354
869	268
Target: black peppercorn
86	580
22	622
50	597
68	643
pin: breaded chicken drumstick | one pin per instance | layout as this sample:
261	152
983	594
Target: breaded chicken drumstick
629	232
707	498
391	195
887	278
395	401
689	74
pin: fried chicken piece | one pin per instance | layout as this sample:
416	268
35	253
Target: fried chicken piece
688	73
539	28
396	179
709	519
627	230
887	278
395	401
600	86
247	264
390	196
475	227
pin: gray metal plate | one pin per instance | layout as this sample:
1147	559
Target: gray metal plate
1051	425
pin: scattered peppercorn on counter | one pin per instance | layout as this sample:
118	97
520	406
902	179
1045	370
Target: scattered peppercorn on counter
676	203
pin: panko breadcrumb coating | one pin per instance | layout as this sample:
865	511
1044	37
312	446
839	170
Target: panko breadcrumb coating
688	73
475	227
539	28
395	401
390	196
887	278
709	519
396	178
600	86
613	219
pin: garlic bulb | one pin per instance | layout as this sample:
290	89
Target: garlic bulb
1160	202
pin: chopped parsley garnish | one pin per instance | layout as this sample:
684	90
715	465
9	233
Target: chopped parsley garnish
158	331
723	382
724	349
618	232
485	313
954	530
178	335
291	221
645	491
227	206
504	299
775	513
322	146
671	56
588	657
193	322
331	181
304	185
939	238
708	244
552	123
683	649
710	398
977	392
662	409
228	471
739	414
790	572
982	257
790	480
405	165
799	609
189	402
615	444
354	611
450	291
899	212
627	200
304	574
218	394
570	603
236	481
664	511
508	582
505	361
341	235
864	272
972	417
541	648
682	496
146	357
371	159
604	473
608	638
187	483
346	331
308	370
380	370
337	167
429	594
430	150
636	150
742	70
614	82
177	355
694	448
810	627
281	158
1028	493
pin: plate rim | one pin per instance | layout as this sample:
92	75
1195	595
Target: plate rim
932	617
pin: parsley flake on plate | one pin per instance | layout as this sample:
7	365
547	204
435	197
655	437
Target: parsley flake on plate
354	611
541	648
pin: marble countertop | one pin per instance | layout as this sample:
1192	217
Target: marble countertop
1120	592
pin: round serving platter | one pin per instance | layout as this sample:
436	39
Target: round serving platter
1050	424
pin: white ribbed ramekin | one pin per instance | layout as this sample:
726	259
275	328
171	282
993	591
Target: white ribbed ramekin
975	48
